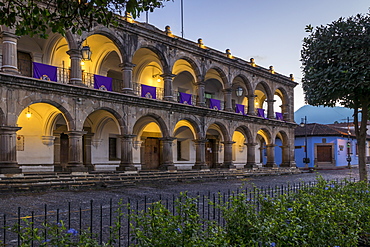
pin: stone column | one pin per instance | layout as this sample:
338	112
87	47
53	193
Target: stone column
8	150
57	166
251	110
127	163
270	150
200	91
127	77
251	155
75	163
167	155
87	153
168	91
227	98
286	112
10	60
228	154
76	72
270	109
200	154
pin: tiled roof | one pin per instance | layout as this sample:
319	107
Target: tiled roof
315	129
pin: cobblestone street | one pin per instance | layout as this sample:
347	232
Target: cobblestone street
153	191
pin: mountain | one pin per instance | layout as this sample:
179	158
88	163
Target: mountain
323	115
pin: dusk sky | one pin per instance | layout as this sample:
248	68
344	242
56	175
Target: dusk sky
270	31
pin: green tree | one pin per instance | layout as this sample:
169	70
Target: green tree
336	69
36	17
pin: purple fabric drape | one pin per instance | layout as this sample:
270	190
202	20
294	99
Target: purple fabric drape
102	83
261	112
185	98
215	104
148	92
239	109
279	116
44	72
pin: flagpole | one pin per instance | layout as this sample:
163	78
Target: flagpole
182	19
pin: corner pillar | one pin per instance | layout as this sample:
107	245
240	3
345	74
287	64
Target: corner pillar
270	150
228	157
8	150
127	163
251	155
75	162
227	98
9	51
167	155
200	94
200	154
127	69
168	91
76	72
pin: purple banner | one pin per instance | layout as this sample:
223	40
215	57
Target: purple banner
185	98
239	109
148	92
261	112
279	116
44	72
214	104
102	83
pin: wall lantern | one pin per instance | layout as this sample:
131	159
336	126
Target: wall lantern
28	113
239	91
86	53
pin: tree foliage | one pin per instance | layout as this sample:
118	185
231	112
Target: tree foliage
37	17
336	69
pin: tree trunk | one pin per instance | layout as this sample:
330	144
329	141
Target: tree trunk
361	138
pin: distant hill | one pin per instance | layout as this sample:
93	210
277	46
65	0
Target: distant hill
323	115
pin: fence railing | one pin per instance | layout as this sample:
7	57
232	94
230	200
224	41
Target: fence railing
98	218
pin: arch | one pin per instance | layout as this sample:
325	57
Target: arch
220	128
145	120
192	64
246	132
191	124
266	135
220	74
163	60
68	117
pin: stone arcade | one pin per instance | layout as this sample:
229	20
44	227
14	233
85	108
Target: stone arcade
174	104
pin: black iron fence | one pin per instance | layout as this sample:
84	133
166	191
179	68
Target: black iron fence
99	219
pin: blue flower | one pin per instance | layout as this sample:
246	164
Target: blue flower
326	188
332	185
178	230
46	240
72	231
273	244
290	209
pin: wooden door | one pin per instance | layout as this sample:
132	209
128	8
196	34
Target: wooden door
151	153
64	145
324	154
210	153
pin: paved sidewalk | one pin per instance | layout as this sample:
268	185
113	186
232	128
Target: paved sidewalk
154	190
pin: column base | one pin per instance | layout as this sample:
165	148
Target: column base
10	71
10	170
251	165
169	98
128	91
289	164
200	166
76	168
271	165
126	167
228	165
168	167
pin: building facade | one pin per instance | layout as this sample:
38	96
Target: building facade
144	99
328	146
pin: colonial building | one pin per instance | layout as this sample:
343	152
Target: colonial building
136	97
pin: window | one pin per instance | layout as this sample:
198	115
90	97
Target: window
208	95
112	148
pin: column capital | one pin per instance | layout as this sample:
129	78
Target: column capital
127	136
167	76
200	140
228	142
5	129
74	52
227	90
270	101
168	139
4	34
75	133
127	65
251	144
